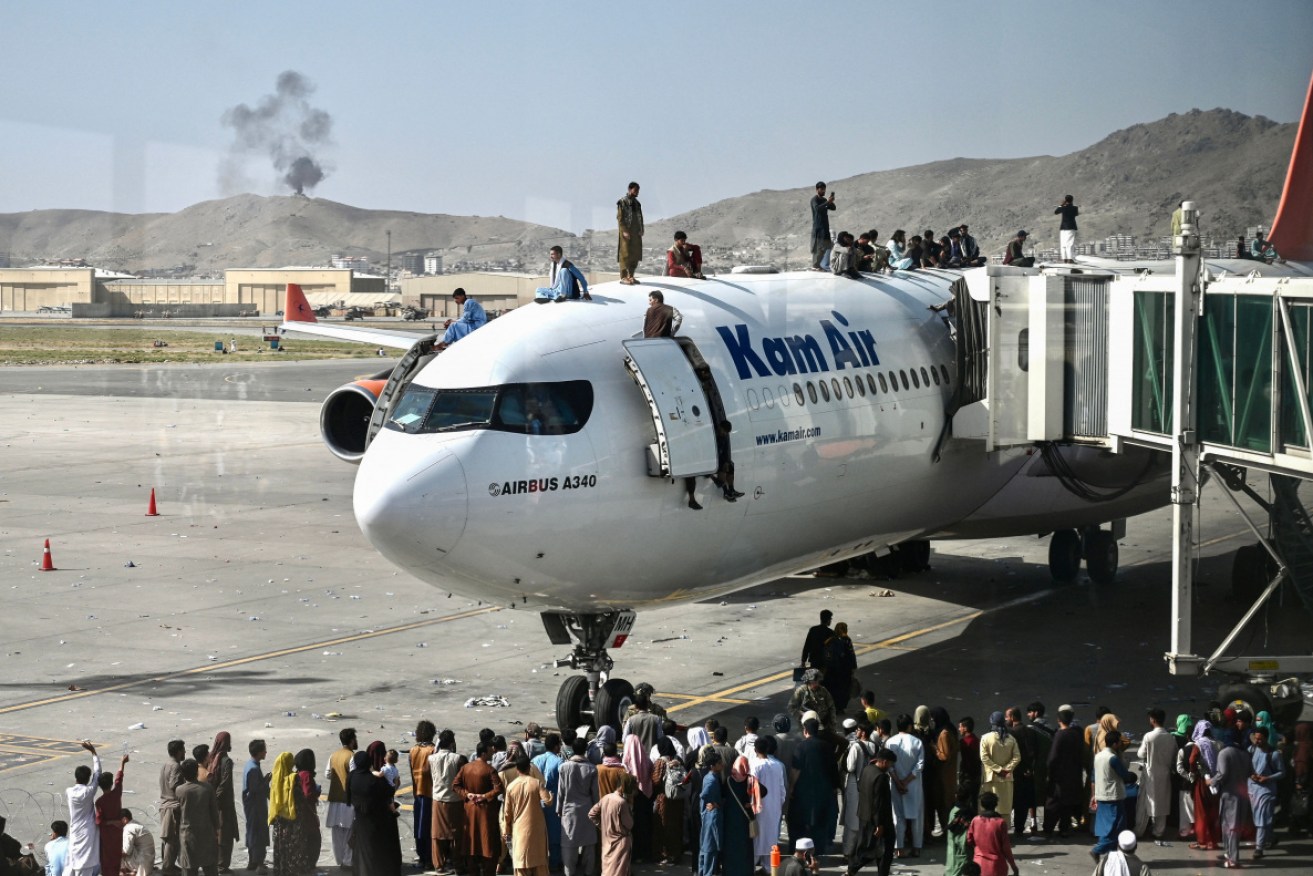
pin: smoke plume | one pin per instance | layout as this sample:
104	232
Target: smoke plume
284	126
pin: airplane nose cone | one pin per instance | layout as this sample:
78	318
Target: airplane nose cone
411	505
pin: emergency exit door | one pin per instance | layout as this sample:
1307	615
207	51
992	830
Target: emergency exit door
685	426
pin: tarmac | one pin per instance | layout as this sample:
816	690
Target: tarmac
253	604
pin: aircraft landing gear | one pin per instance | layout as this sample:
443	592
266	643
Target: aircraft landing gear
593	698
1098	547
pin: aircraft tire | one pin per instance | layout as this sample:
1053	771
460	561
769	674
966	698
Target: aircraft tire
613	699
1101	556
1064	556
571	702
1253	697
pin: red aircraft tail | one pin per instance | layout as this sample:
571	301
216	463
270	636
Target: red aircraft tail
297	309
1292	229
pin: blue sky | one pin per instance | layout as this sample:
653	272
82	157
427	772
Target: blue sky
544	111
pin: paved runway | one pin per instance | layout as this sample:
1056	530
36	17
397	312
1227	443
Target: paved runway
253	604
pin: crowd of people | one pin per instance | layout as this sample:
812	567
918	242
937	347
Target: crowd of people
820	779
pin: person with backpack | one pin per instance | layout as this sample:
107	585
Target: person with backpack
671	786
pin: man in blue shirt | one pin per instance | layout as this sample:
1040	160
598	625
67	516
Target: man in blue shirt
471	317
565	281
255	803
57	849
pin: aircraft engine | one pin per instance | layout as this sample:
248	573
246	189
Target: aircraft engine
344	418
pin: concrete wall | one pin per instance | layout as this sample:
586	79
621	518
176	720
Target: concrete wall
143	293
34	288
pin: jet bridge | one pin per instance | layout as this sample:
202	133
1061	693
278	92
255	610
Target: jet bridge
1211	366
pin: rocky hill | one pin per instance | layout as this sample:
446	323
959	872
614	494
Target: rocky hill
255	231
1233	165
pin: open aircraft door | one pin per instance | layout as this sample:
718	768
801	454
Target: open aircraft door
685	423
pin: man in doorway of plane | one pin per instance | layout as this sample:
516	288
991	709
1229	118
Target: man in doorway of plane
684	259
566	282
471	317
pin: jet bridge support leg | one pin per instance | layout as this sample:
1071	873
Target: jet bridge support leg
1185	449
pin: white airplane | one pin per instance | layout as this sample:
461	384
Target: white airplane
540	462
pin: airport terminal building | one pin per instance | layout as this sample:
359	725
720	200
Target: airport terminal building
91	292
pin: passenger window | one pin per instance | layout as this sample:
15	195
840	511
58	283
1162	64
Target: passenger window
768	397
947	381
935	374
838	390
811	391
925	378
883	386
784	396
752	400
870	382
861	387
916	382
903	374
825	390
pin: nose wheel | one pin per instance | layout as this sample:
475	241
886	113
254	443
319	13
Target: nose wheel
594	698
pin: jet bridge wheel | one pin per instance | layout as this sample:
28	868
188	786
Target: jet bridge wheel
1101	556
571	702
1064	555
613	699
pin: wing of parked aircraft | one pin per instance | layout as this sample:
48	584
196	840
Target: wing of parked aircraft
299	316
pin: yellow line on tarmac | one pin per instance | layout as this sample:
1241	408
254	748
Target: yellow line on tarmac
720	696
240	661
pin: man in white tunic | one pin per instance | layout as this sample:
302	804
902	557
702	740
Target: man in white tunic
770	775
909	795
83	835
138	847
1158	754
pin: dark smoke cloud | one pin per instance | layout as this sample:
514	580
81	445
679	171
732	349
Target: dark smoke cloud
284	126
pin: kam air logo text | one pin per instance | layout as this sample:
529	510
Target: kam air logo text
799	354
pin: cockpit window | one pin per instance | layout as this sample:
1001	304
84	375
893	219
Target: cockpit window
523	408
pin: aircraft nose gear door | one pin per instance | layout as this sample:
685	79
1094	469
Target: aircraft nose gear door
685	423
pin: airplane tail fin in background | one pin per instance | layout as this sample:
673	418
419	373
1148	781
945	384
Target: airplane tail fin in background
1292	229
297	309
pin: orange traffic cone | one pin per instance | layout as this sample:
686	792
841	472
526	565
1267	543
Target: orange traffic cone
151	512
47	564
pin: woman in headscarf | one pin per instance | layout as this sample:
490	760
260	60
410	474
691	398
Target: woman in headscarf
639	765
220	768
307	839
999	756
1263	721
941	783
606	735
742	802
375	840
1107	723
1184	780
840	664
282	809
668	842
1202	765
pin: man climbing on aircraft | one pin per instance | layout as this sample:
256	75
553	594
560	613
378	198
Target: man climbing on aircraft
661	320
471	317
566	281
